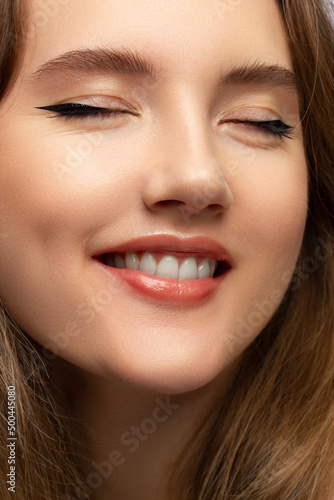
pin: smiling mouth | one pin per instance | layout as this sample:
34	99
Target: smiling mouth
176	266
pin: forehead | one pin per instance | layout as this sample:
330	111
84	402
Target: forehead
178	35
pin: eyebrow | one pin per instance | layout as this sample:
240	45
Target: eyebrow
270	75
128	62
98	60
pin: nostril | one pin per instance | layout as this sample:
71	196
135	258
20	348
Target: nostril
215	208
167	203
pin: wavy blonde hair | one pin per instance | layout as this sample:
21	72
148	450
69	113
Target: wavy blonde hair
272	435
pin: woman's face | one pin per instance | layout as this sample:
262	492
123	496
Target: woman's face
177	161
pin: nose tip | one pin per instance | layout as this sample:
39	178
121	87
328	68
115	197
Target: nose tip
188	191
187	173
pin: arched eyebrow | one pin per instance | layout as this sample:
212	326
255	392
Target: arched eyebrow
270	75
104	60
128	62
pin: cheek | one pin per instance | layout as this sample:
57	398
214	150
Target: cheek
281	215
271	199
57	185
270	210
53	194
56	192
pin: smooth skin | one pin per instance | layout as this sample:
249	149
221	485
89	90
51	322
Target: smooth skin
72	187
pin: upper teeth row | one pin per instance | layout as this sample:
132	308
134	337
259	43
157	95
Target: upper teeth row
168	266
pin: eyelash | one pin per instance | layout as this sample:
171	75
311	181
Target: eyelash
277	128
77	111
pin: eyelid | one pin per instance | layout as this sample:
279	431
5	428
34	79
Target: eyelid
255	114
101	101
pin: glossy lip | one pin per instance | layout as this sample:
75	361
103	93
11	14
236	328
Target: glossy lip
164	290
195	246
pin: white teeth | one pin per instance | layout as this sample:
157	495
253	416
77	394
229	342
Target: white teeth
148	264
188	269
168	267
131	260
204	269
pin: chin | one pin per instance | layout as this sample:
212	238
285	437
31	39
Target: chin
168	376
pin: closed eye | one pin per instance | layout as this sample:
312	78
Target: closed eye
276	128
77	111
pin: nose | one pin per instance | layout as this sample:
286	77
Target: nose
186	177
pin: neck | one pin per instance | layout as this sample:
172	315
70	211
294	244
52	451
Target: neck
131	437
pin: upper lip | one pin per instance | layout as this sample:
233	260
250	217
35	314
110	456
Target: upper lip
166	243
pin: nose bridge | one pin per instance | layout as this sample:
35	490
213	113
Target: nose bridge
187	127
192	173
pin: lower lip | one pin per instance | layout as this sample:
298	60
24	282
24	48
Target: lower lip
167	290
